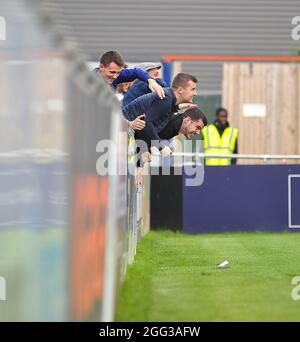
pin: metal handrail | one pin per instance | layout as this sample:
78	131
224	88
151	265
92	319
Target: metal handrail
237	156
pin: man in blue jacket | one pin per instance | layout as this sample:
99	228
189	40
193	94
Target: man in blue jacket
140	87
158	112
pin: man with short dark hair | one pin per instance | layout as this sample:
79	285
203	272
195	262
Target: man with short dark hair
182	79
111	68
158	112
190	123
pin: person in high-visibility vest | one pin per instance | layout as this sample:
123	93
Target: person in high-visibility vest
220	138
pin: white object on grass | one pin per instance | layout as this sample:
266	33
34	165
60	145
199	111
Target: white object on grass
223	264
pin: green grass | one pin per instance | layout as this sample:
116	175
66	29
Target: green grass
174	278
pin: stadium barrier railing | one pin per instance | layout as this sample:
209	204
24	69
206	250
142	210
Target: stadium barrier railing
264	158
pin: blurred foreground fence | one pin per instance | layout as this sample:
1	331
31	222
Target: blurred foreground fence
66	232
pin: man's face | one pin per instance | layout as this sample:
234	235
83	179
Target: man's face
191	128
222	118
110	72
154	73
188	92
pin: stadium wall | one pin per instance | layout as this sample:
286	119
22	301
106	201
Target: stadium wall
234	198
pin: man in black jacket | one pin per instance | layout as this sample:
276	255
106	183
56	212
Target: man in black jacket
158	112
190	123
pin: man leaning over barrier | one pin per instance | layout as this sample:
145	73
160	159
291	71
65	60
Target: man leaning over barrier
111	68
190	123
158	112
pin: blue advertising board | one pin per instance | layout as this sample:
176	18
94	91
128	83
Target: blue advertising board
244	198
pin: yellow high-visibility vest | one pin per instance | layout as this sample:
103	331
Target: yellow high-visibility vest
214	143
